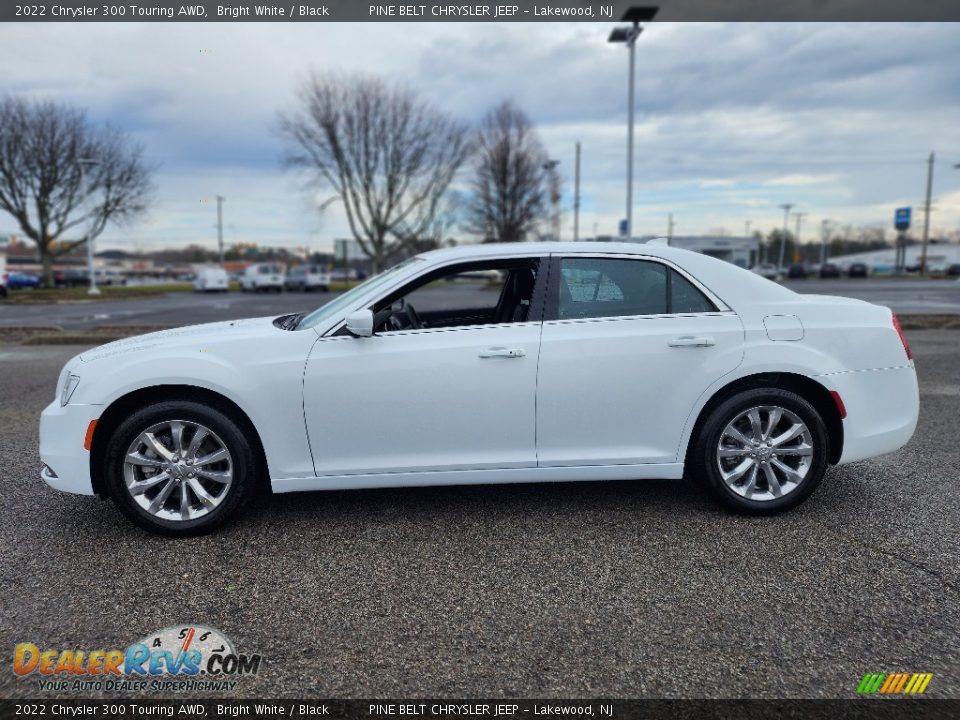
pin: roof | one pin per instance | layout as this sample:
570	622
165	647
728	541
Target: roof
483	250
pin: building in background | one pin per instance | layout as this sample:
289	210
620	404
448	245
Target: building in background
940	256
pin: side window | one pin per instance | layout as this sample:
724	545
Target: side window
685	298
462	295
610	287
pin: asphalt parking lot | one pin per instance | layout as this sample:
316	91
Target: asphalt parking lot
626	589
175	309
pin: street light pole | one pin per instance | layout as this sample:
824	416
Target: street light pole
799	218
220	200
576	196
635	15
783	240
92	288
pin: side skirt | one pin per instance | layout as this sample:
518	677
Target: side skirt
647	471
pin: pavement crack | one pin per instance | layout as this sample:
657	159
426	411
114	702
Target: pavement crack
922	567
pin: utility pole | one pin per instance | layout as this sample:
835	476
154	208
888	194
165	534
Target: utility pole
576	196
554	180
799	216
669	227
783	241
746	226
220	200
926	216
824	234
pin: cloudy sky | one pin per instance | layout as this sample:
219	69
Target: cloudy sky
732	120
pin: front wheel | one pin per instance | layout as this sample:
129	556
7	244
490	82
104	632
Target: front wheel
762	452
179	468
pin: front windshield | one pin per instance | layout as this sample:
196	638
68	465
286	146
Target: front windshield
325	312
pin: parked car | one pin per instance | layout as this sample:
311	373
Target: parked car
71	278
22	281
797	272
767	270
308	277
263	277
343	274
858	270
211	279
953	270
829	270
591	362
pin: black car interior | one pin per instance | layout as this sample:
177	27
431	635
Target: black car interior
494	293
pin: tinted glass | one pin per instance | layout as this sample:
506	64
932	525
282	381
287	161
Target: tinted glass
685	298
611	287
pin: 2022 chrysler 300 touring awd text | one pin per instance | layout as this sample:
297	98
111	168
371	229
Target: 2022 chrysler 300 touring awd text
491	364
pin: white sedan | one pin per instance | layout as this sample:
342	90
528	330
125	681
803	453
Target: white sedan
574	361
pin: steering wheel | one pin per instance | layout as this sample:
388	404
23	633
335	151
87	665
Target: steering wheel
412	316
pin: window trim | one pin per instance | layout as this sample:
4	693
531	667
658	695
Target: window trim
552	305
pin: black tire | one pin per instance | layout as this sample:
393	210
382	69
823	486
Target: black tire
704	462
244	465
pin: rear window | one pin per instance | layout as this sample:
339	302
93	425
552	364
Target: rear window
615	287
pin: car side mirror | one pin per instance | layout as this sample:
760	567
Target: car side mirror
360	323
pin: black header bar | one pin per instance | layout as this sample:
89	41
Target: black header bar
474	11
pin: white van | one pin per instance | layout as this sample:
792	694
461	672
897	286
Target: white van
211	279
263	276
308	277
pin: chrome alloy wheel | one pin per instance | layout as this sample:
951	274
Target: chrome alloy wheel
178	470
765	453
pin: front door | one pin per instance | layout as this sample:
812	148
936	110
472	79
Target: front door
433	392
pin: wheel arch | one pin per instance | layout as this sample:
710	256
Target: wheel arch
804	386
113	415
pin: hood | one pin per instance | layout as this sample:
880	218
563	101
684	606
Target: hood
192	335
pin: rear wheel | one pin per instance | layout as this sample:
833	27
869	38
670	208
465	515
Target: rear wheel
179	468
763	451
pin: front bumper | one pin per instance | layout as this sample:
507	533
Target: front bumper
882	410
62	432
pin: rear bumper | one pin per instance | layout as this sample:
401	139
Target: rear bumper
62	432
882	410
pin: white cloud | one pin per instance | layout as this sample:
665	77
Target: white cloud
732	120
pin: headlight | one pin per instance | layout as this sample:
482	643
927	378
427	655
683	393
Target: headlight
68	387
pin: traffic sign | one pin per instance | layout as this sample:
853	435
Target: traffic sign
901	218
623	228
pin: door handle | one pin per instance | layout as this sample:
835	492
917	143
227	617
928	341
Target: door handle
691	341
503	352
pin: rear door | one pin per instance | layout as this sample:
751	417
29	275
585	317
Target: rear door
628	346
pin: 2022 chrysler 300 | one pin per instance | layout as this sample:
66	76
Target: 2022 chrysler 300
491	364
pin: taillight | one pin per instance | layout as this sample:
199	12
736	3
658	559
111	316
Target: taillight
903	338
841	408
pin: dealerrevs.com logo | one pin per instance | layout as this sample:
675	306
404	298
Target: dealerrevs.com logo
179	658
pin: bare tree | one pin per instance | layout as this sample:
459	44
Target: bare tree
61	175
387	154
510	182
